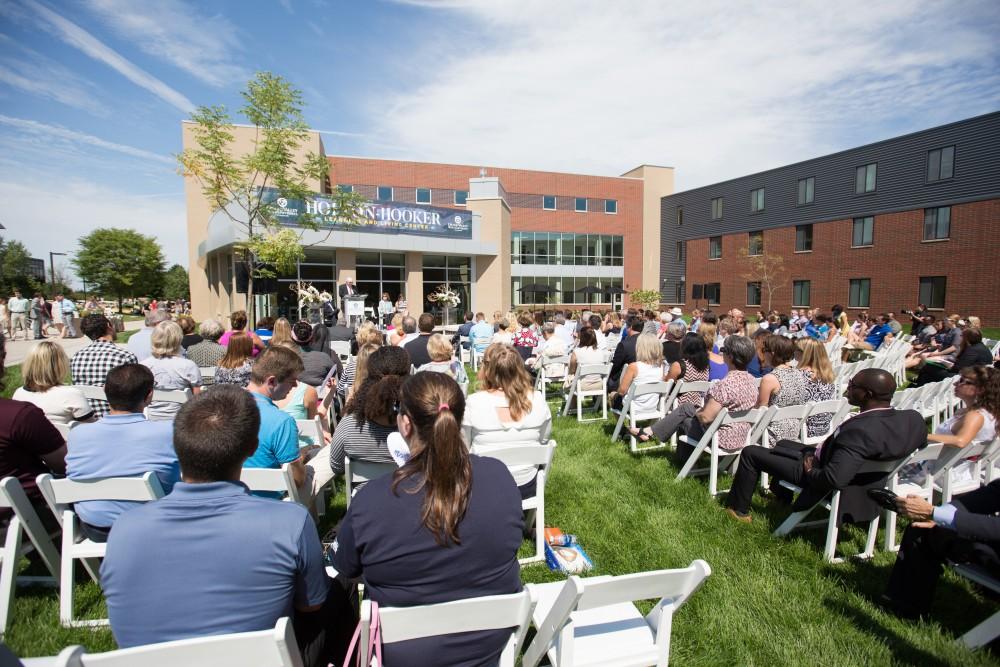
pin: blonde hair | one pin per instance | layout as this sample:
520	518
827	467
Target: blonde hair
282	334
649	350
439	348
361	367
503	370
707	332
751	328
974	322
397	319
368	334
166	339
815	358
46	366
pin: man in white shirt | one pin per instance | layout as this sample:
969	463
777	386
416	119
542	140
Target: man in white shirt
141	342
18	307
564	331
409	327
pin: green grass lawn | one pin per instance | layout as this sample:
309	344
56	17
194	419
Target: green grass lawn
768	602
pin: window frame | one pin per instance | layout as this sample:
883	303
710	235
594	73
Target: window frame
861	283
378	190
863	169
936	212
871	240
755	284
712	247
717	208
680	251
803	196
716	289
343	188
758	203
614	205
465	199
416	196
750	243
927	169
576	205
932	284
555	203
797	286
804	227
679	215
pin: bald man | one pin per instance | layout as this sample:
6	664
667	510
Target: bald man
878	433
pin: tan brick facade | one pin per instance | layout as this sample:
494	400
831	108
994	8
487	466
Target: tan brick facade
897	259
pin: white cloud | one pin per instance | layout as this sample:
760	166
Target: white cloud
287	5
38	75
716	89
53	220
58	132
79	38
181	34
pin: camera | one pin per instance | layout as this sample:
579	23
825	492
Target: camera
905	311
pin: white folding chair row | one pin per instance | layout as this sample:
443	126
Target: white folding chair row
611	342
719	459
60	494
92	392
634	414
932	453
478	348
551	370
359	472
172	395
270	648
832	504
574	392
342	348
979	456
464	350
272	480
988	630
24	523
532	454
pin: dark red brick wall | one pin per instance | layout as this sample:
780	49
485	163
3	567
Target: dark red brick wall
895	263
520	184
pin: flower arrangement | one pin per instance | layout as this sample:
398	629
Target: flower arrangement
309	294
444	296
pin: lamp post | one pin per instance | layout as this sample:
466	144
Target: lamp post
52	266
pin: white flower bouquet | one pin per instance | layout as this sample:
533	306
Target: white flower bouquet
444	296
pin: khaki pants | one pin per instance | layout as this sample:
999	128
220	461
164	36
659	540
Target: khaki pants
18	321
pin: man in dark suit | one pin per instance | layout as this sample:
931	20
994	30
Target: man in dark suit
966	530
878	433
417	348
344	290
625	352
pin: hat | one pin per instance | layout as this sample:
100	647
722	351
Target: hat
665	316
676	312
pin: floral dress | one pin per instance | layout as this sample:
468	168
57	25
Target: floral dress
736	392
692	374
525	338
238	376
792	390
817	391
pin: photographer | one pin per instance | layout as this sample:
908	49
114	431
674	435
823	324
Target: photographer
916	318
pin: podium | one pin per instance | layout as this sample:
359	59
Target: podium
354	309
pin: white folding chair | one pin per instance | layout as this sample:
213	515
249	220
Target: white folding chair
172	395
91	392
837	408
595	622
536	455
832	503
60	494
464	350
359	472
24	522
988	630
342	348
924	488
575	392
976	454
478	349
634	414
207	374
551	370
719	459
312	429
264	648
272	480
494	612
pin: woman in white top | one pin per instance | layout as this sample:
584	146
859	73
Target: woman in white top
507	410
503	336
385	310
647	367
170	369
586	353
979	389
44	370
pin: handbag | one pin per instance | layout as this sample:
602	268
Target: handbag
374	641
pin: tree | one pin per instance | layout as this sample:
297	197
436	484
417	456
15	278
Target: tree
120	262
768	270
645	298
247	187
15	269
175	283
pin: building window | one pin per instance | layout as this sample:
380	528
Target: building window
549	202
932	291
864	178
755	245
713	293
383	193
461	196
680	251
863	228
717	208
680	292
450	270
860	291
937	224
345	189
757	200
680	216
581	205
941	163
423	195
715	247
753	294
807	188
555	248
611	206
803	238
800	293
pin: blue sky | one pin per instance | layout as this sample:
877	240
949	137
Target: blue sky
92	92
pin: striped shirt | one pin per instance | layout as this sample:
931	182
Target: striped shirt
367	443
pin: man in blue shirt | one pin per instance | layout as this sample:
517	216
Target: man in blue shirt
122	444
877	334
274	375
212	559
141	342
481	334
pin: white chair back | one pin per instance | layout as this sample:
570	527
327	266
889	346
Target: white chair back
342	348
272	480
172	395
837	408
359	472
91	392
311	428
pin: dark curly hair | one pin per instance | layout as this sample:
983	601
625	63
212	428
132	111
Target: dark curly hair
376	397
987	380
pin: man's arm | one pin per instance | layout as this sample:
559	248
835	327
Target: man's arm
617	362
311	584
845	459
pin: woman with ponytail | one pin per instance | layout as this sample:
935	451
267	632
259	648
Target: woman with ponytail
446	526
370	418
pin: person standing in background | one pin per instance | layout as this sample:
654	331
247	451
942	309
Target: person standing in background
67	313
385	310
18	307
37	315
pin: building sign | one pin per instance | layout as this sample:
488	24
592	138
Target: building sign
376	217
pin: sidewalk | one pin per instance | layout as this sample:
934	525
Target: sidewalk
18	350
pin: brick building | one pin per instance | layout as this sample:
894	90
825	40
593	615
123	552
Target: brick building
913	219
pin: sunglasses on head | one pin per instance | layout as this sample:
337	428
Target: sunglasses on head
965	381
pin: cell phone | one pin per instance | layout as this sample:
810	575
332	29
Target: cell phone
884	497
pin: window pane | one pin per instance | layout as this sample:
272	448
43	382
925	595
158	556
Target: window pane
617	246
802	191
610	205
423	195
930	225
548	202
347	189
933	166
461	196
581	204
859	180
947	162
810	189
384	193
944	222
870	178
753	294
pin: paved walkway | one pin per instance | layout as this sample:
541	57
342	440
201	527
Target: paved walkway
17	350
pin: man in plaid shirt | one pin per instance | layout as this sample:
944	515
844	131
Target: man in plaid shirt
91	364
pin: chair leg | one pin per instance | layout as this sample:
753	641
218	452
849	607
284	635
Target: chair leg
713	471
872	537
8	570
983	633
689	464
66	575
832	532
633	443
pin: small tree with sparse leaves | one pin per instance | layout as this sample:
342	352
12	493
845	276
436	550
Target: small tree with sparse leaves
766	269
645	298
